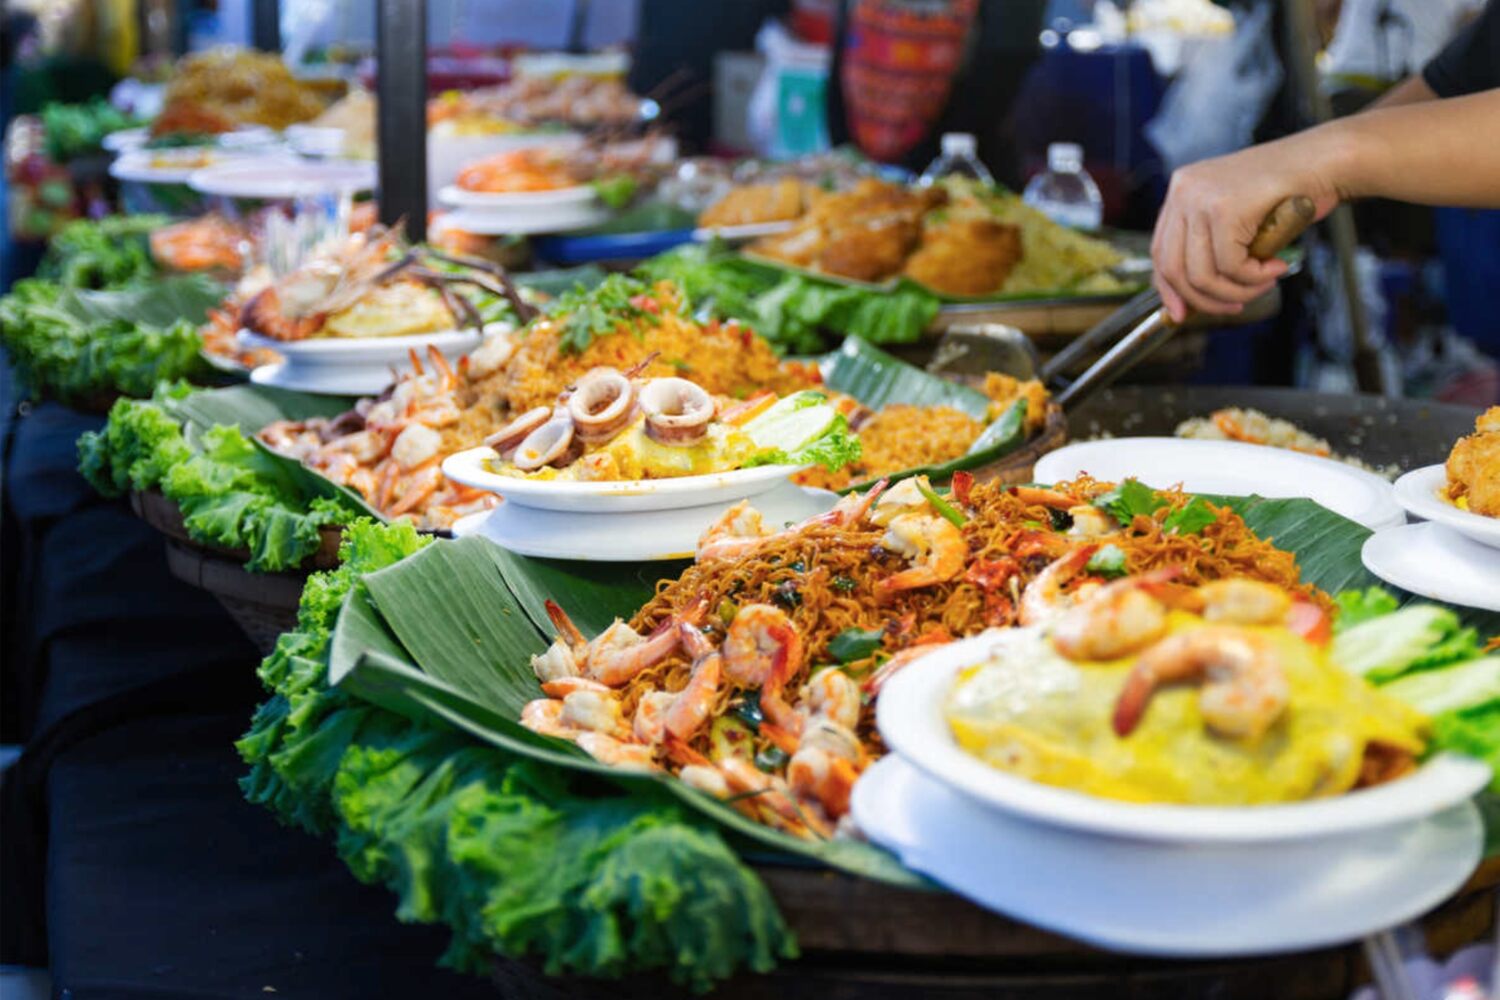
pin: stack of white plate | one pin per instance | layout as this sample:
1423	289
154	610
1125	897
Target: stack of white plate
559	211
1170	880
639	521
1450	556
352	366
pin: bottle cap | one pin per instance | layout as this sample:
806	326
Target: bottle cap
1065	157
958	144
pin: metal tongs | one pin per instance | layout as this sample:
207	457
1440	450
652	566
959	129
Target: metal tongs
1131	333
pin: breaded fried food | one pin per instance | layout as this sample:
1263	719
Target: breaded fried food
971	256
1474	466
871	251
777	201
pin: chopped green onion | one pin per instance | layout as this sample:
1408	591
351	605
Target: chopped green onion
943	507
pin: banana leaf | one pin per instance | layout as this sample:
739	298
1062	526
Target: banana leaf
251	407
160	303
469	667
999	439
877	379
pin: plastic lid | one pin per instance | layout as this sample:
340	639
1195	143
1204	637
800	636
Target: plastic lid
1065	157
958	144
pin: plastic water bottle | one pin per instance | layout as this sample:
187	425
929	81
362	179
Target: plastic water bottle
1064	191
958	158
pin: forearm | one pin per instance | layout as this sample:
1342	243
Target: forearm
1436	153
1412	90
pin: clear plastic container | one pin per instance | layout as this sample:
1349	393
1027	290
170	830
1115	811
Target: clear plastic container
959	158
1064	191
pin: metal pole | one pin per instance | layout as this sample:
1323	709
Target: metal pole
1313	103
401	91
265	25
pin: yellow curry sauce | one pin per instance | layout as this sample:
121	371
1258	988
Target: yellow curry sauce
1031	712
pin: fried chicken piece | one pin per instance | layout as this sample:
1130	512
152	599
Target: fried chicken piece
1474	466
870	252
776	201
966	256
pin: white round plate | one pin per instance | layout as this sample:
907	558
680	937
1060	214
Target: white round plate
521	201
910	717
740	234
157	166
563	219
648	536
323	381
126	138
315	140
468	467
1436	562
357	351
1229	467
1418	492
282	178
1166	900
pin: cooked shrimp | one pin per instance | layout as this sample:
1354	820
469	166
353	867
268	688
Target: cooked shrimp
1238	601
593	711
545	716
1244	690
615	656
1043	597
1117	620
1040	497
825	778
739	530
763	649
935	546
1091	522
691	707
617	753
831	694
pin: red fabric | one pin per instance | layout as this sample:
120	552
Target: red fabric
900	60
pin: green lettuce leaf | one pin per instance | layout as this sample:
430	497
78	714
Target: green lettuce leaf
1474	732
1461	686
1358	606
508	853
1417	637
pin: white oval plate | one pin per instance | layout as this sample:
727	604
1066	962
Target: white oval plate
559	220
1229	467
324	381
520	201
647	536
1418	492
467	467
1435	562
376	351
1164	899
125	139
910	717
276	179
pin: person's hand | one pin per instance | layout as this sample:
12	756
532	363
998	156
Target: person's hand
1200	250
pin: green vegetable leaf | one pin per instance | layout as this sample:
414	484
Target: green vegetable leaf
855	644
1418	637
1191	518
1475	732
615	190
586	313
1108	561
1459	686
1358	606
1129	499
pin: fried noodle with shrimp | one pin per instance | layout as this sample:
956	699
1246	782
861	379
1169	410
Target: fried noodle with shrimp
752	676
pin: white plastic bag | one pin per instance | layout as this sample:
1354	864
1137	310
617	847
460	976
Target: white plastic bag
1214	106
788	114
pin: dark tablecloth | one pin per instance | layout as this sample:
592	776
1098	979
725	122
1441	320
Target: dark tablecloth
132	866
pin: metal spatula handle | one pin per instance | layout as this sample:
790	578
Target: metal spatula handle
1287	221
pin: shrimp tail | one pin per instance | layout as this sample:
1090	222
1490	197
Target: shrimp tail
566	630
